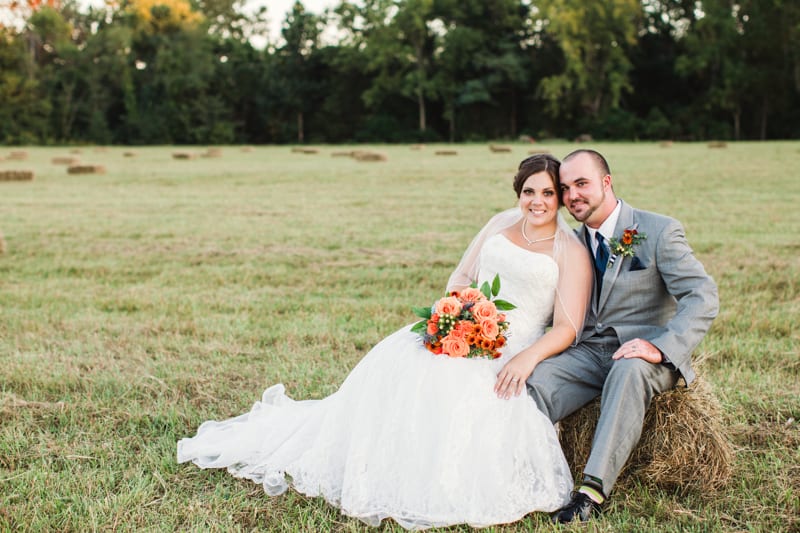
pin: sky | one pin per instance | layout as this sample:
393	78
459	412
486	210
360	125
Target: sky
277	9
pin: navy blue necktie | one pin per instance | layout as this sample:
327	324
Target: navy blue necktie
600	259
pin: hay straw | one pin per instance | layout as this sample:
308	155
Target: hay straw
64	160
665	144
213	152
684	445
304	150
342	154
18	156
363	155
499	149
417	146
129	154
445	152
717	144
535	151
86	169
16	175
183	155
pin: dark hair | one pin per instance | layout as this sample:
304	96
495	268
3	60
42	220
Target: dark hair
535	164
599	161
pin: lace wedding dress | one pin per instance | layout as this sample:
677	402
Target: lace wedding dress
412	436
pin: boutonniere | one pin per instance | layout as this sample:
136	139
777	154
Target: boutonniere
623	246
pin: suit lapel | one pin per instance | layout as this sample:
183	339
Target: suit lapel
625	221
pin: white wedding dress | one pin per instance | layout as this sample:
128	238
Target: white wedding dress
416	437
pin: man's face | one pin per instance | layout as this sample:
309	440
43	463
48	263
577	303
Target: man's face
583	189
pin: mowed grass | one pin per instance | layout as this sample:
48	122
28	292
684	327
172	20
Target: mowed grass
138	303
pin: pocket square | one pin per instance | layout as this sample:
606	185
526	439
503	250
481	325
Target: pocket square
636	264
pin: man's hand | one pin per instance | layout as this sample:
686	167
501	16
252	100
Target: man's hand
639	348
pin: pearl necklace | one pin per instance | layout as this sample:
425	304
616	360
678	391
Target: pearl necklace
531	242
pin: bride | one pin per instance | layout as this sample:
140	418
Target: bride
430	440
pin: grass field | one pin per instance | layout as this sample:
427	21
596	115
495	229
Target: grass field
137	303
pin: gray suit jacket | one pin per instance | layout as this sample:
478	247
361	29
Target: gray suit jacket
662	294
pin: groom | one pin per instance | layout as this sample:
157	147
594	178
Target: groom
652	304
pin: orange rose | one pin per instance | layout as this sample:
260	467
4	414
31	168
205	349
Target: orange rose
455	346
448	306
471	294
489	329
483	310
433	327
461	329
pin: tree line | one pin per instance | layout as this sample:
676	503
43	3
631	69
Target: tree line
187	72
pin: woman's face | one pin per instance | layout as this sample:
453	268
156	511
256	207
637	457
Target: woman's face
538	200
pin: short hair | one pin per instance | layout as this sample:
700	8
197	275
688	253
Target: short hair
599	161
535	164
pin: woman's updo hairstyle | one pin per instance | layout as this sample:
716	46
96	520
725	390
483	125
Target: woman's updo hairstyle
535	164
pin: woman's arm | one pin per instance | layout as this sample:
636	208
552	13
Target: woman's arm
573	295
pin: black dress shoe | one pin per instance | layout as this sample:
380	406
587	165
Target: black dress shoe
580	507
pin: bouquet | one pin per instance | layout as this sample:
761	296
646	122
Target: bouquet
466	323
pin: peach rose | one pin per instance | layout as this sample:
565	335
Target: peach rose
471	294
455	346
448	306
483	310
461	329
433	327
489	329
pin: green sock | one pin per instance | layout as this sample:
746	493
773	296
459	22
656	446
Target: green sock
593	488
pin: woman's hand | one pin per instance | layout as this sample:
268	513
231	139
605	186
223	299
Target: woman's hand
511	379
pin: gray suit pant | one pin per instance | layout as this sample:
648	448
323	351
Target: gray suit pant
564	383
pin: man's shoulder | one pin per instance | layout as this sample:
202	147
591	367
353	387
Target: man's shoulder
652	219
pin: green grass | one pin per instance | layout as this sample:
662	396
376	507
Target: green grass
137	303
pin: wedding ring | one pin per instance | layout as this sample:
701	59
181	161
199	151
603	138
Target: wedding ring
514	379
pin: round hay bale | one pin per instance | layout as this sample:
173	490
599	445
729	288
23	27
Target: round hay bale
665	144
86	169
304	150
584	138
417	147
18	155
369	156
717	144
445	152
213	152
342	154
129	154
64	160
535	151
16	175
100	149
684	444
183	155
498	149
76	151
246	148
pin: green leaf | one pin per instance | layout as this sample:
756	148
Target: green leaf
486	290
424	312
420	327
496	285
503	305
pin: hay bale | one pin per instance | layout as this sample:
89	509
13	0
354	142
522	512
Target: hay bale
213	152
417	147
342	154
717	144
535	151
665	144
363	155
584	138
18	155
129	154
100	149
445	152
499	149
76	151
684	445
304	150
246	149
86	169
183	155
64	160
16	175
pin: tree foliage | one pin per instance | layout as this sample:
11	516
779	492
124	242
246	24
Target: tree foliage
187	71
